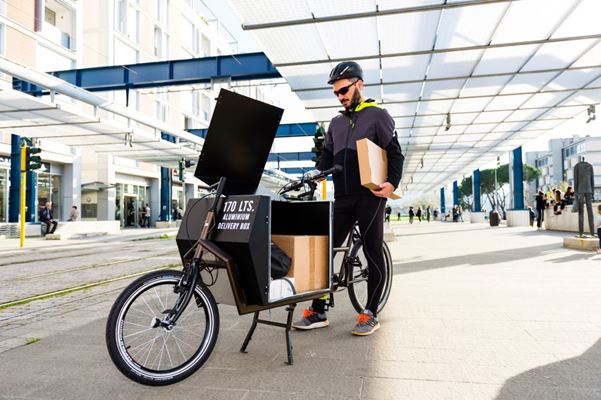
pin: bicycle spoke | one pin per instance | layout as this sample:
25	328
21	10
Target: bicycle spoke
152	315
159	299
132	323
137	333
167	349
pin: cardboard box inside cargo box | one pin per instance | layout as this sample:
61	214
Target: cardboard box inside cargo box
309	260
373	165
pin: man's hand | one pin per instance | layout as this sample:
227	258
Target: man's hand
386	190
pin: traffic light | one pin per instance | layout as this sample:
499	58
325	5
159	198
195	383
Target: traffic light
182	169
32	162
318	140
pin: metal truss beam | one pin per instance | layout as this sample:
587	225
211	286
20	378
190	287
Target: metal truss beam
284	130
377	13
462	77
445	50
480	96
294	156
236	67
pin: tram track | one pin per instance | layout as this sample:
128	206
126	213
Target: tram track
92	266
86	250
62	292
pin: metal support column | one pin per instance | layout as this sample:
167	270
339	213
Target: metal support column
517	179
476	191
165	194
442	206
455	194
32	196
14	196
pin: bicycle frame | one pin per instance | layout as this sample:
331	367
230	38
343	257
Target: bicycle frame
193	268
344	278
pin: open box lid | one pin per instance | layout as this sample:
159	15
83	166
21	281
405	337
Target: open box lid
238	141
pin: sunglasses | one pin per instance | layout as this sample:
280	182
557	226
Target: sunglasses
344	90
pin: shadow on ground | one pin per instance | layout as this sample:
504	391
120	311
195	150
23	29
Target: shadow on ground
441	232
486	258
577	378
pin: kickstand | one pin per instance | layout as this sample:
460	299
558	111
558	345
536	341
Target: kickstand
249	335
287	326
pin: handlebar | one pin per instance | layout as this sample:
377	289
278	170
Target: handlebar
310	180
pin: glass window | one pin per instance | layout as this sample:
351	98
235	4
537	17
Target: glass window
118	205
160	103
133	21
161	9
49	16
158	41
120	6
206	107
49	189
89	210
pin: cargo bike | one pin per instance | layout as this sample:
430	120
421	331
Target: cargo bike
164	325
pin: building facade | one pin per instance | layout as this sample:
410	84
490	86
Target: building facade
557	164
51	35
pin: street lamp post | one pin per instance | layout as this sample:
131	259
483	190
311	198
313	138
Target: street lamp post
495	196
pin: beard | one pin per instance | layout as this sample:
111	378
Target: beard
355	101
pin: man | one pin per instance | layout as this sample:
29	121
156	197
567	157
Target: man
74	214
147	215
46	218
361	118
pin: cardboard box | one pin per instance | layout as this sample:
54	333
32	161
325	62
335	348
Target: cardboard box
373	165
309	260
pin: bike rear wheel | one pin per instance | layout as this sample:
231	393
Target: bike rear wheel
359	273
150	353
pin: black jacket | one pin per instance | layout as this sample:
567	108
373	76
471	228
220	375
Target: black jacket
45	214
367	120
541	202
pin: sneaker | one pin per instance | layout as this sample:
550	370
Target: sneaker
311	320
366	324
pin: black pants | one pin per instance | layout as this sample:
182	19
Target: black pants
599	236
539	217
50	226
368	211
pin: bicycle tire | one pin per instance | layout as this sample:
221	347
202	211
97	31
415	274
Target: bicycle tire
131	336
358	290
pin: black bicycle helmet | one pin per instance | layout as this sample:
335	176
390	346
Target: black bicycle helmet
346	70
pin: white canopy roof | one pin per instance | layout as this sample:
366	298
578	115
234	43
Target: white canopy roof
34	117
502	72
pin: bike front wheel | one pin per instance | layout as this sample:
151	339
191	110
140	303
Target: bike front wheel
359	274
153	354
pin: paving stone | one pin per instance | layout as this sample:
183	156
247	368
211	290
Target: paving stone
491	314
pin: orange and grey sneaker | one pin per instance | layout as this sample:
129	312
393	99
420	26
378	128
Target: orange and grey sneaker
311	320
366	324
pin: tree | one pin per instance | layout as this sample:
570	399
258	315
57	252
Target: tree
465	193
496	195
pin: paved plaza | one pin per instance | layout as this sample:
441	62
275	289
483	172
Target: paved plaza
475	313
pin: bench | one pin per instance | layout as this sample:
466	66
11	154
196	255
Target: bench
566	221
67	230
